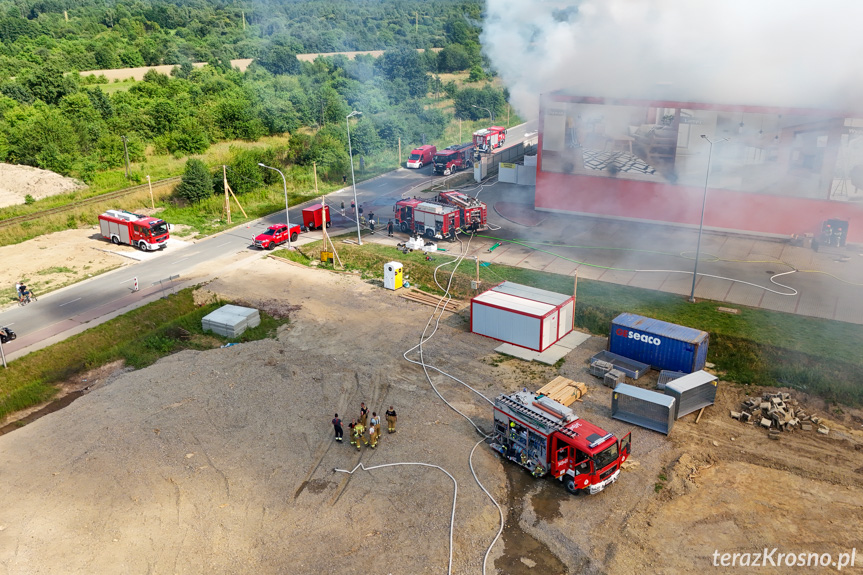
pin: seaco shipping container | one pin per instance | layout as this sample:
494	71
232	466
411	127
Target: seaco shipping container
660	344
522	315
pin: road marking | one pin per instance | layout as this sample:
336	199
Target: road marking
224	244
181	259
68	302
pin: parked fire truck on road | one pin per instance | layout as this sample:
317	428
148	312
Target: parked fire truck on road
473	213
143	232
426	218
547	438
453	159
488	139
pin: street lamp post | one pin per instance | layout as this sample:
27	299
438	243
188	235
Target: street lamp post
490	114
353	179
703	204
285	184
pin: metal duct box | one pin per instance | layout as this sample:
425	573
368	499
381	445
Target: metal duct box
665	376
643	407
630	367
692	392
660	344
231	320
613	377
599	368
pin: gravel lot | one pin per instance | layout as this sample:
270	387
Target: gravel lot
223	461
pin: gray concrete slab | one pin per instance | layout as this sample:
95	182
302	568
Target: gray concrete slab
574	339
776	302
649	280
744	294
815	304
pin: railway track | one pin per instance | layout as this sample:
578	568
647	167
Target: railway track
94	200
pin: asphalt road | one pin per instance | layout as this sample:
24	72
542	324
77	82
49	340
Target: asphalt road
72	309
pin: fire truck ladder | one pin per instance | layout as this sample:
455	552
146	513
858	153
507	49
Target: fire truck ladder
463	201
554	425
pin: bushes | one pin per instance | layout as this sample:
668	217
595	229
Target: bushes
197	183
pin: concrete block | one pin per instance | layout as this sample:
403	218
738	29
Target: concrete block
773	434
765	405
766	423
823	430
815	419
745	416
806	427
735	415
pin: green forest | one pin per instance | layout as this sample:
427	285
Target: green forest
52	118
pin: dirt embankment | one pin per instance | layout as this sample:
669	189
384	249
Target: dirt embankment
224	460
18	182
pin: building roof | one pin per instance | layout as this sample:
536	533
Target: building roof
531	293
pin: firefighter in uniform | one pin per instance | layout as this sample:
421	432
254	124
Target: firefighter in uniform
364	414
374	429
359	432
351	435
391	420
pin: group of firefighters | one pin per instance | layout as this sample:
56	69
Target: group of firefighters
359	427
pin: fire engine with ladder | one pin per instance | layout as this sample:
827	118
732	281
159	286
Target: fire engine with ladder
488	139
472	212
547	438
143	232
427	218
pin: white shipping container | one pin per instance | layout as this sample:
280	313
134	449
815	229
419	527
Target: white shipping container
521	315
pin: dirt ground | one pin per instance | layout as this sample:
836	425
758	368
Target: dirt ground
59	259
17	182
224	461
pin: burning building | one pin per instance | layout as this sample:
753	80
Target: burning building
772	171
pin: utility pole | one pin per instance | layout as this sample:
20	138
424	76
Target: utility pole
152	201
126	152
244	19
416	23
225	185
400	152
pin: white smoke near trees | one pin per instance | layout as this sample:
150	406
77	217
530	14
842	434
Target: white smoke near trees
800	53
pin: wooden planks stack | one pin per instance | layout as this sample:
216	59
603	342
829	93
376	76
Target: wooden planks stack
429	299
564	391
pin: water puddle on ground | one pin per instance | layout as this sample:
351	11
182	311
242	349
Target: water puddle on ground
523	554
55	405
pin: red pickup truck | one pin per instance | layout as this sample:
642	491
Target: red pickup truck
275	235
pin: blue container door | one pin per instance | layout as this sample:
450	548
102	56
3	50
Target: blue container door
657	351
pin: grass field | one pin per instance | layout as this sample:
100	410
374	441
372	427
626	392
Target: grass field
756	346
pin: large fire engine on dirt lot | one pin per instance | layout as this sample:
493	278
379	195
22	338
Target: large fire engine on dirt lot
454	158
143	232
427	218
472	212
488	139
547	438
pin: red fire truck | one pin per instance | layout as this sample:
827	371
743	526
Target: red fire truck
472	212
144	232
488	139
547	438
427	218
453	159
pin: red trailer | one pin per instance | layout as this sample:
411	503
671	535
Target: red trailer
315	216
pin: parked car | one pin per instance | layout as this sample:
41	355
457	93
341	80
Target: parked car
276	235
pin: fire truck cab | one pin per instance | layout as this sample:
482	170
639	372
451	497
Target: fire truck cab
453	159
472	212
488	139
426	218
547	438
143	232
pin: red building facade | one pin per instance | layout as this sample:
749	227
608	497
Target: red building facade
772	171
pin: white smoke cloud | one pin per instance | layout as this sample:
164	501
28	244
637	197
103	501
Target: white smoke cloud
804	53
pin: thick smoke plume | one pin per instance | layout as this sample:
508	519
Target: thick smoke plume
799	53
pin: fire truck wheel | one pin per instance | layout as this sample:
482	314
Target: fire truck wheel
294	237
404	227
116	240
569	483
328	224
429	233
142	245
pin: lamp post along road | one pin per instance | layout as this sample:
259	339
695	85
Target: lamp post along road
490	113
353	179
285	184
703	205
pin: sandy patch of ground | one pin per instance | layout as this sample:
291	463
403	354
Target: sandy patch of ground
49	262
17	182
224	461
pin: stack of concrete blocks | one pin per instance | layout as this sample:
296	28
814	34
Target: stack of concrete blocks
777	412
612	377
600	368
231	320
